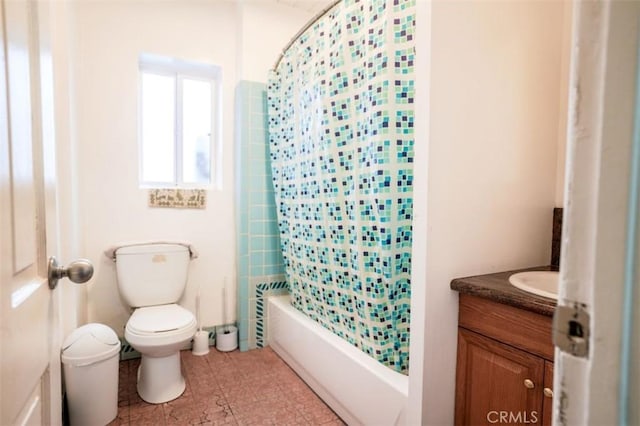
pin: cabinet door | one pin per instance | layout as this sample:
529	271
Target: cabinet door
496	383
547	404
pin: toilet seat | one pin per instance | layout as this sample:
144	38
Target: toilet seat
160	325
151	320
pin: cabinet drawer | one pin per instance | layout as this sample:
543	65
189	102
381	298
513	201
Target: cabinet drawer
516	327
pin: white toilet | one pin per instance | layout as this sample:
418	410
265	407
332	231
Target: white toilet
151	279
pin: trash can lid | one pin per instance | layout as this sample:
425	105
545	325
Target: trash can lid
89	344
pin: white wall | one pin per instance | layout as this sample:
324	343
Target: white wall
493	120
72	297
564	102
110	36
267	27
108	39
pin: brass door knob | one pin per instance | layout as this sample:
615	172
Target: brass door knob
548	392
529	384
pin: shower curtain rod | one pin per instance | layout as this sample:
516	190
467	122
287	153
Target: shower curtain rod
303	29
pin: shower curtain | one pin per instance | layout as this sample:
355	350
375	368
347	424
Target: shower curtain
341	116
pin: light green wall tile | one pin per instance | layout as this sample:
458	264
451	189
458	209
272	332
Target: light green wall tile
258	244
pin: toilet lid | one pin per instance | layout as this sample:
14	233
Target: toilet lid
159	319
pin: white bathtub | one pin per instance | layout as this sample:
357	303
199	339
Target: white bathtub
358	388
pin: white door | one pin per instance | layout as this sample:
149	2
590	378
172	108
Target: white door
30	343
600	268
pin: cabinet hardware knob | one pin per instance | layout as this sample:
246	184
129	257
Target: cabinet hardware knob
548	392
529	384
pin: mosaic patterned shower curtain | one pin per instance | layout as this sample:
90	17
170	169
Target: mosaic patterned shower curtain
341	140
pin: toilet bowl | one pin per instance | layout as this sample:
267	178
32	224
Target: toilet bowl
151	279
158	333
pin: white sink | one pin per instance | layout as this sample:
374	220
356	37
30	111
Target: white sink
542	283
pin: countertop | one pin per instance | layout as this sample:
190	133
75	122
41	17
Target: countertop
496	287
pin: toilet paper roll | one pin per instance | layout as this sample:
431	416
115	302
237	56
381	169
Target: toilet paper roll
201	343
226	338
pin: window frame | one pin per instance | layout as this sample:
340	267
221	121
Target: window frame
181	70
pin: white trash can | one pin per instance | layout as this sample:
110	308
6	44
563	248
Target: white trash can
90	364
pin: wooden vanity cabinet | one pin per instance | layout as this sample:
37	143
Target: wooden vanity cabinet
505	365
547	391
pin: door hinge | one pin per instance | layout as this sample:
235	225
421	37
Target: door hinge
571	330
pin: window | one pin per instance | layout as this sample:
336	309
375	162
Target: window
179	125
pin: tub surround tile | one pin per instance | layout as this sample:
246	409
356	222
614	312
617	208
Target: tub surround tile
243	330
244	345
252	341
261	334
496	287
244	310
256	308
258	233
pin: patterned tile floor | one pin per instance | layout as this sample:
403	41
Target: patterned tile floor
232	388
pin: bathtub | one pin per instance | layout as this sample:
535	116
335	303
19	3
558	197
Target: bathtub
358	388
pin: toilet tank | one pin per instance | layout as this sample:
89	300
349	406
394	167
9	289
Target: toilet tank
152	274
